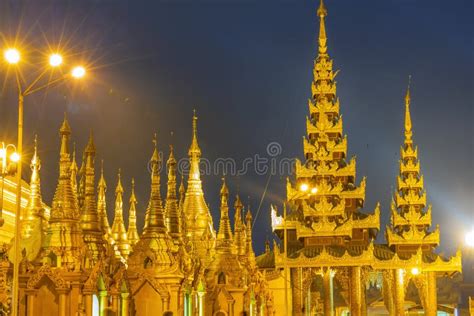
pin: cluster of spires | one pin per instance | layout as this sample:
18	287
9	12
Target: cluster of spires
80	209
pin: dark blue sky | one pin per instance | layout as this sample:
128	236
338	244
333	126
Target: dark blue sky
246	66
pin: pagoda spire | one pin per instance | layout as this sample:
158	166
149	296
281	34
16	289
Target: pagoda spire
322	39
155	239
132	233
74	171
199	226
172	211
118	227
411	217
34	213
154	217
408	131
102	205
64	223
90	223
224	241
249	247
239	228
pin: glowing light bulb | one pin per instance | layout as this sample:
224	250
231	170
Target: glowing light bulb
304	187
3	153
15	157
55	60
12	56
470	239
415	271
78	72
314	190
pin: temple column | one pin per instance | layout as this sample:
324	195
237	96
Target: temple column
103	304
399	291
63	304
297	291
356	291
431	295
328	285
87	297
125	304
30	304
115	302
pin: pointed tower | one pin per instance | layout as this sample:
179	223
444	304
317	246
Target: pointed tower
172	211
411	217
132	233
90	223
64	224
224	242
199	226
102	206
81	188
74	172
239	228
250	254
325	200
155	249
34	222
119	233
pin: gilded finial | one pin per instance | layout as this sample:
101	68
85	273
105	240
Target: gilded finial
35	162
322	40
224	189
133	198
155	157
65	128
322	11
119	188
408	125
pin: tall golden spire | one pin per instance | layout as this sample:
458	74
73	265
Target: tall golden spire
154	217
172	211
408	131
199	227
118	227
249	246
34	213
74	171
322	40
102	205
411	217
155	239
239	228
224	241
132	233
64	224
90	223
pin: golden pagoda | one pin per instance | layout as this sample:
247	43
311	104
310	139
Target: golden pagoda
132	232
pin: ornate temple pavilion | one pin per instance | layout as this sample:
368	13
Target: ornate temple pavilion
328	262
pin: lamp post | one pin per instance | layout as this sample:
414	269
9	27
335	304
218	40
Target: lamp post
8	164
13	57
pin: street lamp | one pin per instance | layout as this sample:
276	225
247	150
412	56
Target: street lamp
8	166
12	57
469	239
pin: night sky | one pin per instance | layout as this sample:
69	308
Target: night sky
246	66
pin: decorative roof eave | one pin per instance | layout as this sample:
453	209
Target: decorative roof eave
410	199
413	237
323	208
371	221
324	126
326	169
409	167
323	106
368	258
409	152
410	183
323	86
